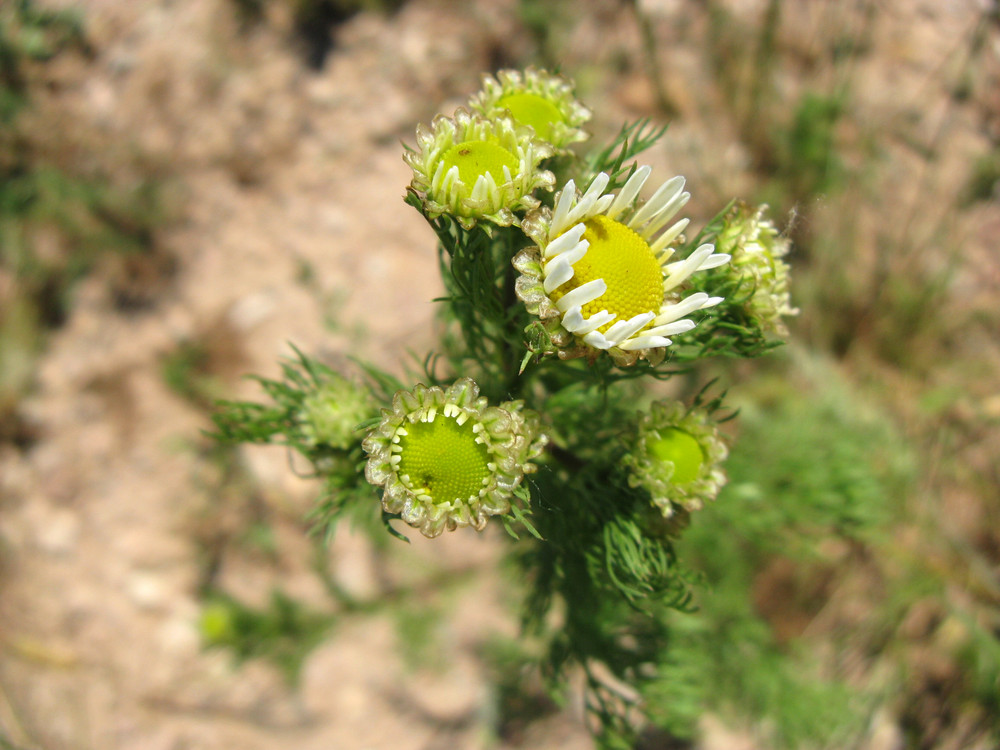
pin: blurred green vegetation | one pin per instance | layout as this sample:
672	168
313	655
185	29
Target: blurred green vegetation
200	367
815	479
983	181
30	34
283	632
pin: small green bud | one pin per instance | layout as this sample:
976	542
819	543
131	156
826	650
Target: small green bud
536	99
757	250
331	414
676	455
474	168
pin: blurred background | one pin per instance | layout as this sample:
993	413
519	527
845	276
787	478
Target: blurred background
187	187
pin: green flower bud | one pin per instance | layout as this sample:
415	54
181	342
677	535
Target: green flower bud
475	169
445	458
757	250
536	99
330	415
676	455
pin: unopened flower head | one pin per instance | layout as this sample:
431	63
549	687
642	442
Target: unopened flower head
676	455
538	99
330	415
758	250
602	276
475	168
445	458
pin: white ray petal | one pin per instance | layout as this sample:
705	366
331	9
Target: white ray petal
644	342
576	253
597	340
565	242
714	261
582	295
596	188
437	176
625	329
669	236
680	270
630	191
448	179
711	260
665	256
595	321
566	198
662	197
601	205
557	272
591	199
668	212
676	311
557	267
481	189
671	329
574	321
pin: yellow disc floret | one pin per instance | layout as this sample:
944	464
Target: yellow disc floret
443	458
534	110
475	158
628	266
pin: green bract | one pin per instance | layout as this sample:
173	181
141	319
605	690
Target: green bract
475	168
445	458
676	456
600	274
537	99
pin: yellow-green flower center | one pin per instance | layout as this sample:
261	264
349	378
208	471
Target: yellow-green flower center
475	158
682	450
443	458
628	266
533	110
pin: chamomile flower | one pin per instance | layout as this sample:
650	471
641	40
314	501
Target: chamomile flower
540	100
676	455
474	168
758	250
445	458
602	276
